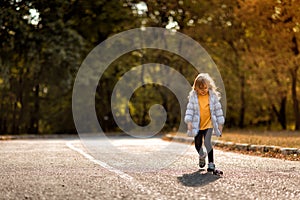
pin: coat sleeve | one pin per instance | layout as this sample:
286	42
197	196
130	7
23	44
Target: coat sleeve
219	112
189	112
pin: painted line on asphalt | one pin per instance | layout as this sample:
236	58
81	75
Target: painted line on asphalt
129	179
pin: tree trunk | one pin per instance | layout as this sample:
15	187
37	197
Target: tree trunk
294	72
243	102
3	117
281	114
14	119
241	75
295	99
34	124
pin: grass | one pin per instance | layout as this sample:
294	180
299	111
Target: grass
270	138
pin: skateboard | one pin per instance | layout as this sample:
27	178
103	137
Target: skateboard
216	172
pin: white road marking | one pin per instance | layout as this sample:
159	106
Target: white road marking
129	179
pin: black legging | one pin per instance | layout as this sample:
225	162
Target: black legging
206	134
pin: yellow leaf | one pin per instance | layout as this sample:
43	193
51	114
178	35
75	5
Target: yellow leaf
19	105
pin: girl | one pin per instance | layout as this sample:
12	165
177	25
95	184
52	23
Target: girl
204	115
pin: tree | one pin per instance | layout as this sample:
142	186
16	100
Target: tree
273	30
42	46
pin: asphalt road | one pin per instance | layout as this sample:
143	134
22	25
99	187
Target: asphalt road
65	169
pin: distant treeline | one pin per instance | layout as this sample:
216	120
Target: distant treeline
255	45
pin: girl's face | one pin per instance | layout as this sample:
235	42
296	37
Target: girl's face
202	90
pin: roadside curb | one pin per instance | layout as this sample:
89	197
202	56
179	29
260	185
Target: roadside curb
237	146
29	136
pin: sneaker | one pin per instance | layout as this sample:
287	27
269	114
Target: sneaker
211	167
202	161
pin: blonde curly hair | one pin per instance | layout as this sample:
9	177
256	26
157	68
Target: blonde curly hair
204	79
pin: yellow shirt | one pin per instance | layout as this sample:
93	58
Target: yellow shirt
205	117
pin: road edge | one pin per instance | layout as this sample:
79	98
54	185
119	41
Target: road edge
238	146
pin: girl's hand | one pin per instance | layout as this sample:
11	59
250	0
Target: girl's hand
189	126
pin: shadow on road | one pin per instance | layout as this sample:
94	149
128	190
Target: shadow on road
197	179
